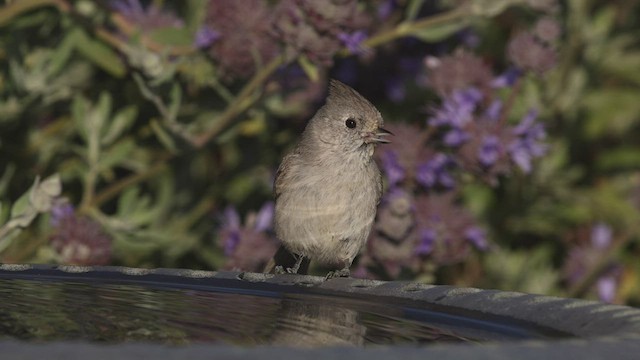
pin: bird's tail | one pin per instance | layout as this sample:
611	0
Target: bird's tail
287	260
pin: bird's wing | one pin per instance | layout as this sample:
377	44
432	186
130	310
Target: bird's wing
283	174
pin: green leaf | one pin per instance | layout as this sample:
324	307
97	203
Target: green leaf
528	271
617	159
116	154
196	13
63	52
172	36
10	170
138	210
4	213
101	55
175	100
43	193
611	111
309	68
23	205
12	10
621	58
165	139
23	220
490	8
103	109
440	32
613	206
51	186
128	201
413	8
79	109
120	123
94	123
23	210
240	187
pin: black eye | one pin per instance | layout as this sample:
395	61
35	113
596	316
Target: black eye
351	123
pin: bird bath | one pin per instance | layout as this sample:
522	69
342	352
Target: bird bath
186	313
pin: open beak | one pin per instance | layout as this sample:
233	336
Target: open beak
379	136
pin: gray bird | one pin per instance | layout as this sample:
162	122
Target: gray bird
328	187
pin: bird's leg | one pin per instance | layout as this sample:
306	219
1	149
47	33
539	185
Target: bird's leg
296	266
279	270
344	272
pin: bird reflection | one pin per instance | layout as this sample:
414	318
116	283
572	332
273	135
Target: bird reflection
305	324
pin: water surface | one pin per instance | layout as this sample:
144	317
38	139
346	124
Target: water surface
46	309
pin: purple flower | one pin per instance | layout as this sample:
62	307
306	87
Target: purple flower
547	29
601	235
527	123
392	168
59	212
444	229
427	241
264	218
470	38
435	172
455	137
245	36
395	90
457	110
250	245
148	19
477	237
205	37
507	78
385	8
461	70
527	146
489	150
231	230
529	53
494	110
128	8
353	41
606	287
78	240
317	29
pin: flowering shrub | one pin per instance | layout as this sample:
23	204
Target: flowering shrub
147	133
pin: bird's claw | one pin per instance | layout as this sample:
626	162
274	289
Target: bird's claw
338	273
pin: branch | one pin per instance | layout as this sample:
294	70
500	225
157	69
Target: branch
409	28
17	8
241	102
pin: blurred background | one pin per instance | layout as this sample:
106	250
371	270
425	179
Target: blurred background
147	134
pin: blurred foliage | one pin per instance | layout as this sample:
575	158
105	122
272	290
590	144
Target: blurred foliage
134	125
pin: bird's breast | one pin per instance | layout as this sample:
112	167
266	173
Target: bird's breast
325	211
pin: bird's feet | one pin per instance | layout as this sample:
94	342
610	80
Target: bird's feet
279	270
338	273
290	270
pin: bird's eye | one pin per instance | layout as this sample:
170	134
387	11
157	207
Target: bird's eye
351	123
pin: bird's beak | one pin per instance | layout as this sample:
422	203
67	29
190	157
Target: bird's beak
379	136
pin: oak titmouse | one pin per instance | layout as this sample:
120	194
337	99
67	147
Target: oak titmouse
327	189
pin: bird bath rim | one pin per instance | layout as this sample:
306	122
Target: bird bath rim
597	328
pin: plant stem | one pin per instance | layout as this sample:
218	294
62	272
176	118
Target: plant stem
515	91
408	28
114	189
241	102
16	8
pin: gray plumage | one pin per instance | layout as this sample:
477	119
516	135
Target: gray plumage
327	189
